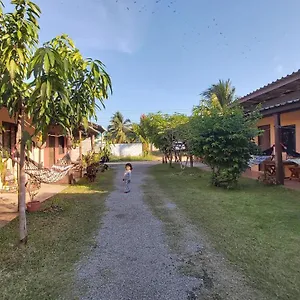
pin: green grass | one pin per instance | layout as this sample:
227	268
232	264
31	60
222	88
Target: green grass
44	269
172	229
255	226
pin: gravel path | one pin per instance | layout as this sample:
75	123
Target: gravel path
132	259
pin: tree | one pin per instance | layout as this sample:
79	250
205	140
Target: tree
52	84
220	95
183	136
160	130
140	131
225	140
119	129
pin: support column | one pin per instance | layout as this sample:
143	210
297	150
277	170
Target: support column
278	151
92	142
80	152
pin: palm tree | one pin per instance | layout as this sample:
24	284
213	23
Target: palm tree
119	129
221	94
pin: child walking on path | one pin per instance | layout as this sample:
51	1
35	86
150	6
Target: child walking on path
127	177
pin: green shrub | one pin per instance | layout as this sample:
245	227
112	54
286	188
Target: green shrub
225	141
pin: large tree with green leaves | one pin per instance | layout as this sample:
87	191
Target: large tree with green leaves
119	130
50	85
161	131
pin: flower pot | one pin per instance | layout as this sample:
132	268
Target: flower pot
33	206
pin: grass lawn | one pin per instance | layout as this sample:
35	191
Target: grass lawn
257	227
44	269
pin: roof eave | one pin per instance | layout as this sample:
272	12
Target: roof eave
271	87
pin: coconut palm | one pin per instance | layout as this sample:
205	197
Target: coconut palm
221	94
119	129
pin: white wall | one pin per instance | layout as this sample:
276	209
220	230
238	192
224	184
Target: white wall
86	147
127	149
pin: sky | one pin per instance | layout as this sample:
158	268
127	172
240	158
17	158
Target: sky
161	54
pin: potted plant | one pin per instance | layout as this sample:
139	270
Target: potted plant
33	186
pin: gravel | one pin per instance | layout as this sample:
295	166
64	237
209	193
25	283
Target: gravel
132	259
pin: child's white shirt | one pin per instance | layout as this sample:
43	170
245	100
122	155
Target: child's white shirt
127	175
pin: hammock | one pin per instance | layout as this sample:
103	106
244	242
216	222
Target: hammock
268	151
294	160
292	153
44	175
257	160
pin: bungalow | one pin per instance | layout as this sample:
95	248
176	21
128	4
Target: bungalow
279	104
55	147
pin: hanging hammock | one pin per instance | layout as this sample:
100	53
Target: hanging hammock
258	159
45	175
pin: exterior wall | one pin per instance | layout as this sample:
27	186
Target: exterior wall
290	118
4	117
36	152
54	131
86	147
127	149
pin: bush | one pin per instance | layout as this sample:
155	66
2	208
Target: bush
225	141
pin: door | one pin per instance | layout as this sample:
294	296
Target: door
288	137
264	141
51	151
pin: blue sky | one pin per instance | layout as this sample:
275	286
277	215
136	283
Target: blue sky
161	54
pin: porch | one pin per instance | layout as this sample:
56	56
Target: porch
9	201
253	174
279	104
290	184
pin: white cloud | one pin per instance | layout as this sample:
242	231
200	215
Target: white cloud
102	25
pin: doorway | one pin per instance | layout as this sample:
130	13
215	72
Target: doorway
51	151
264	140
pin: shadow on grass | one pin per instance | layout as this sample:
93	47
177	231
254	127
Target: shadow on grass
58	236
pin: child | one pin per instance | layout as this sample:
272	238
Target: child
127	177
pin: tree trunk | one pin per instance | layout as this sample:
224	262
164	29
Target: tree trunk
191	161
22	190
80	152
171	159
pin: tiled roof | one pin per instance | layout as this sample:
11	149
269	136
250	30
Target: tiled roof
273	85
280	104
97	127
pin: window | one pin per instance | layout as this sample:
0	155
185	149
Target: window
264	140
9	135
288	137
61	145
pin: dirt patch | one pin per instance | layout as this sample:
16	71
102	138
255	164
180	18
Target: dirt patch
120	216
197	258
